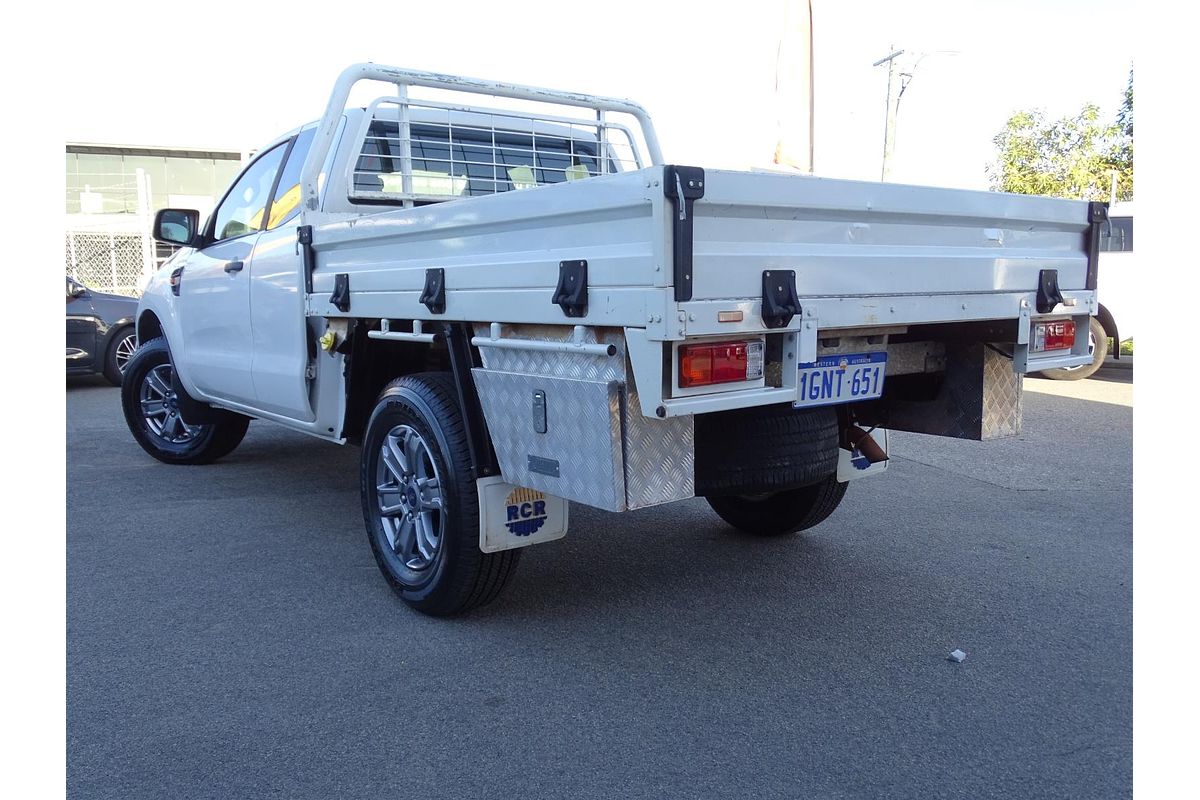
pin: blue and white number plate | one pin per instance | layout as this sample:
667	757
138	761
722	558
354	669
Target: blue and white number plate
840	379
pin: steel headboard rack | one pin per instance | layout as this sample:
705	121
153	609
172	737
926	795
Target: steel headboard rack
405	78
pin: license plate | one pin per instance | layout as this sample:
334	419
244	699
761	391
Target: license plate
840	379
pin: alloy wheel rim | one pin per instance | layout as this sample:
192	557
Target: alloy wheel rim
124	351
1091	352
409	497
160	407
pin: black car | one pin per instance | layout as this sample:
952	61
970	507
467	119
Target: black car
100	332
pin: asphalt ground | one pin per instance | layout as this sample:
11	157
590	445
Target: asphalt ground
228	635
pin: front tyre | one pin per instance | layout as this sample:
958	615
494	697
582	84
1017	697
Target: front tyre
1097	348
122	348
152	413
780	512
420	503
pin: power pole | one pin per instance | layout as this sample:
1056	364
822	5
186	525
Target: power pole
794	87
889	119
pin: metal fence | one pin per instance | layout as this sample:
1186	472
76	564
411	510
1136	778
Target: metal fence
114	261
108	244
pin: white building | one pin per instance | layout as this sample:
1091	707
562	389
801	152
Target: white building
112	194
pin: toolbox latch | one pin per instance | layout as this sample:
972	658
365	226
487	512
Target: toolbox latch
779	300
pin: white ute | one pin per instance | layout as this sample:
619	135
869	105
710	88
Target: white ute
511	309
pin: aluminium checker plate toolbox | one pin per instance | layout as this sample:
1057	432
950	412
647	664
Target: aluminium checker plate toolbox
569	424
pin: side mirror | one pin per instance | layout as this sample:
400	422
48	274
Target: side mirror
176	226
75	289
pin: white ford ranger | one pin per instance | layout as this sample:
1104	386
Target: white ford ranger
509	309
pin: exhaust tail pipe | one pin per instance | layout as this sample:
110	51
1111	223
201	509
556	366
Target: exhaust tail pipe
865	444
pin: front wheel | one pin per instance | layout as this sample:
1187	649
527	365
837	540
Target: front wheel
124	345
420	502
152	413
777	513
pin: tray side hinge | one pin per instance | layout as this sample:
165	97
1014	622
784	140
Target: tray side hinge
682	186
304	243
1097	220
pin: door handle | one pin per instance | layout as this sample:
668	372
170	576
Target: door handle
234	266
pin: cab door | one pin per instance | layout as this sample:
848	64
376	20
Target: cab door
81	329
283	343
214	289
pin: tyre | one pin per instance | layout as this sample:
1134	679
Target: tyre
1097	346
420	503
120	350
781	512
765	449
152	413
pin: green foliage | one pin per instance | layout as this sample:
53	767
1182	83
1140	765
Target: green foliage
1125	115
1127	347
1072	157
1122	152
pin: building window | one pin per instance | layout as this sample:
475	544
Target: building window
1120	236
104	180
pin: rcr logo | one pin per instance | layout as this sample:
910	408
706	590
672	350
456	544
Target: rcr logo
525	511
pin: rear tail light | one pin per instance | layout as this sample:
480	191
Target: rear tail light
720	362
1053	335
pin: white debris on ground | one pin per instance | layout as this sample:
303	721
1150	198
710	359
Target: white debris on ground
957	656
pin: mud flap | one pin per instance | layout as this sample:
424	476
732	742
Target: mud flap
852	464
513	516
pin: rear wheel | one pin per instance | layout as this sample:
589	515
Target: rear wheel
781	512
1097	347
420	503
152	413
766	449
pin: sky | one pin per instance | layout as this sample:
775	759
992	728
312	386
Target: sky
235	75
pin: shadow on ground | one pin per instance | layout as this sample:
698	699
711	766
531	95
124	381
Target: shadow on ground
229	635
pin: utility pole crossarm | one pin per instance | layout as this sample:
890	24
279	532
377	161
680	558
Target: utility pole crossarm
888	58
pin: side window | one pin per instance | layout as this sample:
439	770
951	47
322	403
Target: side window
241	211
286	203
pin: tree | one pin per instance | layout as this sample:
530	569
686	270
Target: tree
1122	153
1072	157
